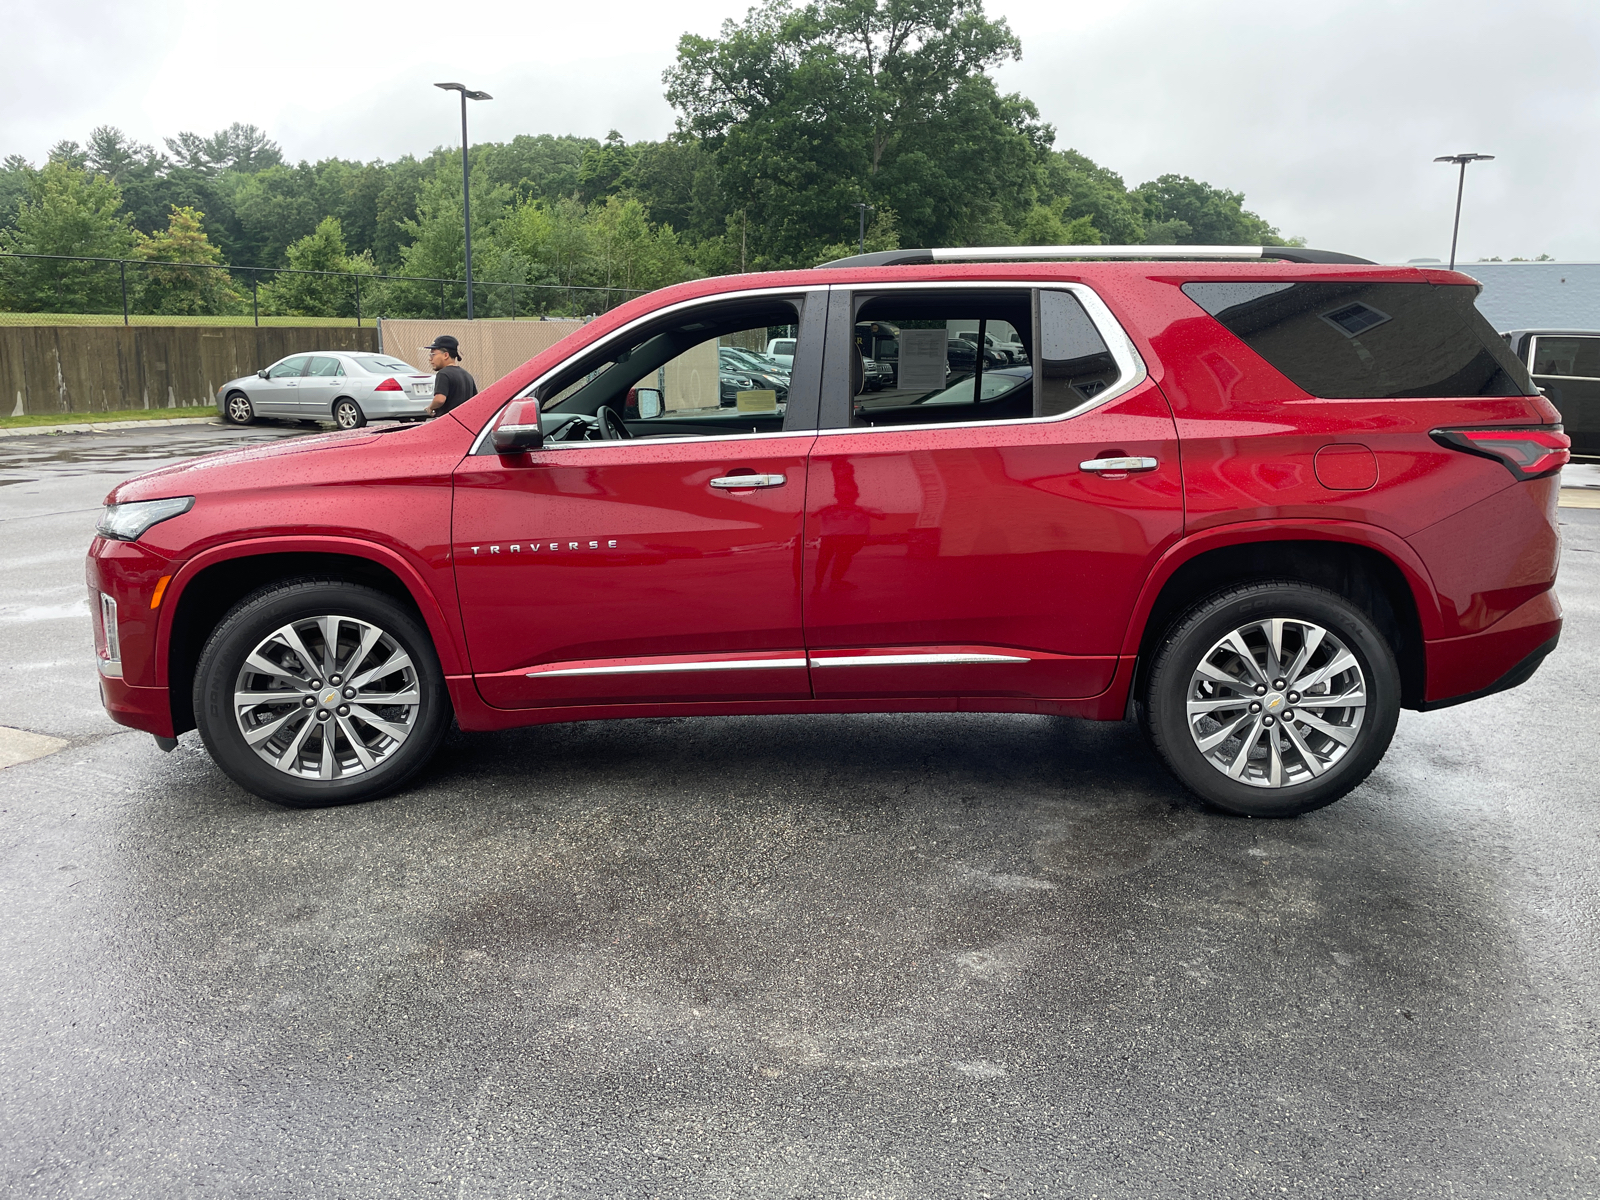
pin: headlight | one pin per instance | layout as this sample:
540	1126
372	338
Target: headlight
128	522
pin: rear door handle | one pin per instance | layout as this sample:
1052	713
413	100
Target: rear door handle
749	481
1120	466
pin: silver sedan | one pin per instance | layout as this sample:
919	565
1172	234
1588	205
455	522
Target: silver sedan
341	386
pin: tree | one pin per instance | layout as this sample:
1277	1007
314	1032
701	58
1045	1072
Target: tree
183	290
627	251
1181	211
605	169
811	110
1087	189
15	172
551	240
67	211
327	290
242	148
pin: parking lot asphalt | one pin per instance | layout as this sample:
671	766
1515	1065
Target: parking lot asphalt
867	956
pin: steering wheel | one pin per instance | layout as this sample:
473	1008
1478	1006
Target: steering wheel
611	427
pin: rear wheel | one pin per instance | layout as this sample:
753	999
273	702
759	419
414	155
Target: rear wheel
319	692
347	414
1272	699
238	409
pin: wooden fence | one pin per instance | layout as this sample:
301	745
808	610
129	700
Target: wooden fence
96	368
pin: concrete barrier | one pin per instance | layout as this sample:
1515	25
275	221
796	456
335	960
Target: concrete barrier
96	368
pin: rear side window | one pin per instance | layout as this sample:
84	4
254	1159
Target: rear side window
1574	357
1369	340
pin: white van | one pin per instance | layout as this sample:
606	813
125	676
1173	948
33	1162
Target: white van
782	349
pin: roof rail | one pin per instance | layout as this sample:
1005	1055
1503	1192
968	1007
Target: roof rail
907	258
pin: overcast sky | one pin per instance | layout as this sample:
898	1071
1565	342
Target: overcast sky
1326	116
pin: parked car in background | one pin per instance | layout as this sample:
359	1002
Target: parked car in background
734	378
1565	363
750	360
781	350
345	387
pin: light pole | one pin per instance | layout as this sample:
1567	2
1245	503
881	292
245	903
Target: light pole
466	176
1461	184
861	245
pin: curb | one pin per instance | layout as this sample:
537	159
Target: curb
105	426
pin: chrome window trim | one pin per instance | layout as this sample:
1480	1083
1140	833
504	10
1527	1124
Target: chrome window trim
1123	352
746	293
732	664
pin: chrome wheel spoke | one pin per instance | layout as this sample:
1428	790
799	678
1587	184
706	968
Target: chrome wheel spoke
265	732
394	730
252	699
1343	734
1217	675
330	645
1211	741
1275	772
1242	759
1236	642
1337	665
1307	754
356	744
291	639
1313	638
1197	707
1274	632
397	662
369	639
263	665
285	760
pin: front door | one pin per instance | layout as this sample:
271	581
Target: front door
649	552
980	530
278	395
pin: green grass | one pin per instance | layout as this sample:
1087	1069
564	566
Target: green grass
88	418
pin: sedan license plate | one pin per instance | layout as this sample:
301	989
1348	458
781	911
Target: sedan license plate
422	389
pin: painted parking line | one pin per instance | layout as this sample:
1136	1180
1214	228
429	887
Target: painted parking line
20	746
1583	497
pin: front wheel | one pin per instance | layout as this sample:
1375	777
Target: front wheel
347	414
1272	699
317	691
239	410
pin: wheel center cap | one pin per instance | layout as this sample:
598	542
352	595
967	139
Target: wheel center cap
330	698
1273	703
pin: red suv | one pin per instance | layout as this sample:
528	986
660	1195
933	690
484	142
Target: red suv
1260	507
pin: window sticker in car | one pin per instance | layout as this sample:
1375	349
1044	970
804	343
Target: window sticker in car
922	359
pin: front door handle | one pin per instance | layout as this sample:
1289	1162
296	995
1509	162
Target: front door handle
1119	466
749	481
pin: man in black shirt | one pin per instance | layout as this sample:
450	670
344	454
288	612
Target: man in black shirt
452	385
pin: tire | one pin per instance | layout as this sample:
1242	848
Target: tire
1246	759
238	410
347	414
320	746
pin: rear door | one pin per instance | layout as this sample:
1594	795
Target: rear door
658	567
319	388
966	533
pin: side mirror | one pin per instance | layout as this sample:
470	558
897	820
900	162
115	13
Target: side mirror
261	374
518	430
650	404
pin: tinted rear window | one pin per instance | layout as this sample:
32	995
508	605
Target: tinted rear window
383	366
1369	340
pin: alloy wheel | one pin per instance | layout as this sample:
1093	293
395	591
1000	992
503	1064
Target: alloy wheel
327	697
239	410
1276	702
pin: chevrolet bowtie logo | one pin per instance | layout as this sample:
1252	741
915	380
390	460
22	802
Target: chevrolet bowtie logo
1276	702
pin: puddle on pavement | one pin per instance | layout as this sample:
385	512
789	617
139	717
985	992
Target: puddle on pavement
64	455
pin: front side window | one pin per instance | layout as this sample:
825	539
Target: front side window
963	356
1356	340
1574	357
706	373
289	368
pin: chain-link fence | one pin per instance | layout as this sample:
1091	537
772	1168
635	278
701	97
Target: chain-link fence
70	289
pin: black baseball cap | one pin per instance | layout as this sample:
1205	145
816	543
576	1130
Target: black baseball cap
446	343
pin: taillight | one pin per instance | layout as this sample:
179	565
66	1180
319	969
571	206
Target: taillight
1529	452
389	385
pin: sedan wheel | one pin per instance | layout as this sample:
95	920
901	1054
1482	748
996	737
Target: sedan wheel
1273	699
347	414
320	692
239	410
